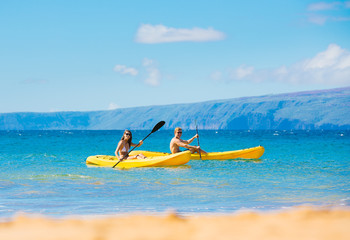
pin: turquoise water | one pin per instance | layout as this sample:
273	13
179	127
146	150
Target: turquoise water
44	172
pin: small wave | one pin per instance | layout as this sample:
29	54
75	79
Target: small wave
70	176
35	155
96	183
77	176
67	132
344	202
49	155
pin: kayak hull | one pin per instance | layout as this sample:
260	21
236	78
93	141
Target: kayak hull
248	153
154	161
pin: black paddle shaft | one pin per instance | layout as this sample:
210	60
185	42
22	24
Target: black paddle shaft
199	150
155	128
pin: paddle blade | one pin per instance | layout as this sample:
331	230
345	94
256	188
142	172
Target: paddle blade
159	125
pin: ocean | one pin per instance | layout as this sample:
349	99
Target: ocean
44	172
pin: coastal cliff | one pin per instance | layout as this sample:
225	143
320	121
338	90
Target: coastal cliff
324	109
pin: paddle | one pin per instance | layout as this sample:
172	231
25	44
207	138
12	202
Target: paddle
200	155
156	128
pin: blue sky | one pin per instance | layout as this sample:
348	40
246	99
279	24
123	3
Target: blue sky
98	55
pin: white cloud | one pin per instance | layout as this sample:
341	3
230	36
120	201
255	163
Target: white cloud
216	76
331	67
333	9
242	72
321	19
34	81
317	19
55	110
113	106
321	6
125	70
161	34
326	59
154	74
345	63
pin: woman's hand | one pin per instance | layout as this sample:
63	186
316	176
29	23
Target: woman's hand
140	142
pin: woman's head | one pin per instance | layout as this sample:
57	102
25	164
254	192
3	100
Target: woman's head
127	136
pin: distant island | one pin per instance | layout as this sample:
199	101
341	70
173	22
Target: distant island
323	109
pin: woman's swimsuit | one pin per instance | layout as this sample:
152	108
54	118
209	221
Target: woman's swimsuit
124	149
123	152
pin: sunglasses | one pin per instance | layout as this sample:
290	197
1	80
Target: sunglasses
128	134
179	132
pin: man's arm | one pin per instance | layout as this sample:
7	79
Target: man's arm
191	139
184	144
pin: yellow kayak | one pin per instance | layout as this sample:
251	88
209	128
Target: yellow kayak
154	161
248	153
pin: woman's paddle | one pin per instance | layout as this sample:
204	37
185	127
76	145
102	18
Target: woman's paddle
200	155
156	128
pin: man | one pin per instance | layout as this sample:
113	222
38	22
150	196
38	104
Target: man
177	142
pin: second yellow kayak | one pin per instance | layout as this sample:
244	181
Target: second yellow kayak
248	153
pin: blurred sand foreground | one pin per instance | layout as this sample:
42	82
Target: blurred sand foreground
296	224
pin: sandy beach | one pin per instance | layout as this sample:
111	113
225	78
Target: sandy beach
297	223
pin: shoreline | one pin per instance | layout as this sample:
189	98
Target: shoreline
296	223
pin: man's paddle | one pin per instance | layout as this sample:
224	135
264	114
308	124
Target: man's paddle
156	128
200	155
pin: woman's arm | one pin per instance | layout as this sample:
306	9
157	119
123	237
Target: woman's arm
117	149
139	144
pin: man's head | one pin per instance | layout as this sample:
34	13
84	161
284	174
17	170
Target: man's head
178	132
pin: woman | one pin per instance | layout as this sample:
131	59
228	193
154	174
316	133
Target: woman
124	145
